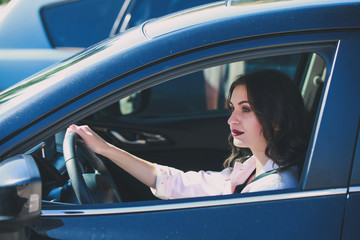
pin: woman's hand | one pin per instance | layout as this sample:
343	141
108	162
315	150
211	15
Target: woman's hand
139	168
91	139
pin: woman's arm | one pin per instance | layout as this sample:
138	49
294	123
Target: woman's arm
143	170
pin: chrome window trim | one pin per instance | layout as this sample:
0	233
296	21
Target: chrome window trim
354	189
195	204
120	16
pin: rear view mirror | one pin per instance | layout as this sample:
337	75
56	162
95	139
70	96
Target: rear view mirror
135	103
20	196
128	106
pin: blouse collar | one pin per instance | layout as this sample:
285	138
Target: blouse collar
241	171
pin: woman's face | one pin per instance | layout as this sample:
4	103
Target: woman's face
244	125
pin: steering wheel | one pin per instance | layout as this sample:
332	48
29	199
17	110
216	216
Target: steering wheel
97	187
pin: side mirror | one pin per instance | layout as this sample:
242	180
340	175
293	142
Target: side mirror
20	196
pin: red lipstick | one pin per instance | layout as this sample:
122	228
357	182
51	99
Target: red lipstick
236	133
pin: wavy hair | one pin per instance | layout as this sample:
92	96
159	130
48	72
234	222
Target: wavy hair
279	107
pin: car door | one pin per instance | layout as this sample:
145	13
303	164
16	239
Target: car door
352	211
313	211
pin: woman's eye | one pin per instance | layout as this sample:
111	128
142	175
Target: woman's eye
246	109
230	109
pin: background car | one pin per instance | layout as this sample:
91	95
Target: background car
119	88
35	34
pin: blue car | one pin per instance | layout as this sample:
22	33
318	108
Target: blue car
36	34
158	91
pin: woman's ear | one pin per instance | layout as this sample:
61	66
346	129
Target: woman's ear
276	127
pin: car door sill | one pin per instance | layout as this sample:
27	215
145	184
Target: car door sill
195	204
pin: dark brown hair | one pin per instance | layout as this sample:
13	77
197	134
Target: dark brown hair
280	109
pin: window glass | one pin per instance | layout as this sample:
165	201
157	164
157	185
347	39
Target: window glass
80	23
205	91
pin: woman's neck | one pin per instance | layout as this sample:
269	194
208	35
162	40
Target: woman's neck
261	159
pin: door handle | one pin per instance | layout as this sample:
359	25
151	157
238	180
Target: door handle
144	138
122	139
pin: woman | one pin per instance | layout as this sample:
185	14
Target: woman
268	139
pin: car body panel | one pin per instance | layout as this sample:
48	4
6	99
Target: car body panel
198	223
355	175
350	229
292	15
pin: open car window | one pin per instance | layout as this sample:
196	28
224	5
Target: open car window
179	123
205	91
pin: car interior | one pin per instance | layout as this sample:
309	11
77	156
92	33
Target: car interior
180	123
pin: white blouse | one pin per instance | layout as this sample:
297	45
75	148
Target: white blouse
172	183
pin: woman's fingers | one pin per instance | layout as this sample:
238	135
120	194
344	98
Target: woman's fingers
91	139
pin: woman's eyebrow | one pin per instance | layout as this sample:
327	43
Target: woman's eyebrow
242	102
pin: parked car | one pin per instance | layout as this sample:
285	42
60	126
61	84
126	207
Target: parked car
119	87
36	34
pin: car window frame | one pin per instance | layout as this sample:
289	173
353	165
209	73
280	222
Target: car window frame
165	75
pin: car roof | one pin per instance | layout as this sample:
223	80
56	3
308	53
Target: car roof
292	10
41	95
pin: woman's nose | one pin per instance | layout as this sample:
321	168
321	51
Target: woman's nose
233	119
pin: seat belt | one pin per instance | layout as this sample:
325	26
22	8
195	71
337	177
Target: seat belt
240	187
